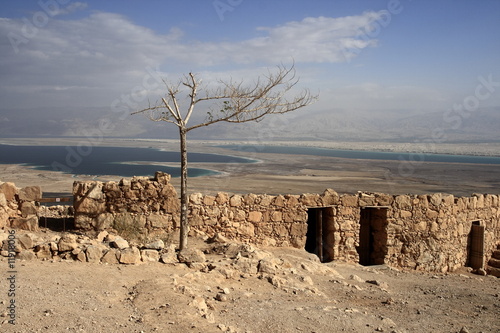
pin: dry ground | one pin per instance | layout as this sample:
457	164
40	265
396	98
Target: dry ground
302	295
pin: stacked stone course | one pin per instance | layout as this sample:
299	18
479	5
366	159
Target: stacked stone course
427	232
18	207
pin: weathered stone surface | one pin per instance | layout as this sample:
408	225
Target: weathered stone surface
148	255
26	255
9	190
155	245
3	200
130	255
191	256
43	251
67	243
28	208
94	253
119	243
29	223
30	193
26	241
169	256
111	257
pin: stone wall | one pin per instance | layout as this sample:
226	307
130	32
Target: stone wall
18	207
428	232
134	207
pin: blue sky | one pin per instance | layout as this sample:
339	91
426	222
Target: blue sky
404	56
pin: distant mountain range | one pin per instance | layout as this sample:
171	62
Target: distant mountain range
481	126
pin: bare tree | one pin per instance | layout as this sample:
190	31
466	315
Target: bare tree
232	102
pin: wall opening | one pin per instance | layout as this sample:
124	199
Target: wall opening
372	247
475	245
320	233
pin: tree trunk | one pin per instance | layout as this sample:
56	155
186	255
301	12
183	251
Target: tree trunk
184	230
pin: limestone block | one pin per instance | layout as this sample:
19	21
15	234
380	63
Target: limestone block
330	197
149	255
436	199
119	243
3	200
235	200
448	199
9	190
279	201
169	256
86	205
30	193
480	201
250	199
112	190
28	208
94	253
405	214
162	177
254	216
247	229
189	256
67	242
276	216
104	221
155	245
26	241
111	257
196	198
222	198
208	200
431	214
280	229
298	229
26	255
311	200
349	200
159	221
43	251
130	255
265	200
29	223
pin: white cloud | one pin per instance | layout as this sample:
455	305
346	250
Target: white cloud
97	58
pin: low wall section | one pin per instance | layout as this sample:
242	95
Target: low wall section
428	232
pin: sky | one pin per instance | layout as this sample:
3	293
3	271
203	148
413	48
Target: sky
401	56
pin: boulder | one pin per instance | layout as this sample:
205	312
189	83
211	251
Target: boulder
119	243
43	251
25	255
29	223
67	243
130	255
26	241
28	208
30	193
169	256
156	245
189	256
94	253
111	257
149	255
9	190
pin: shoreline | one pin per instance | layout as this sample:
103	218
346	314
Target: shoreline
486	149
281	173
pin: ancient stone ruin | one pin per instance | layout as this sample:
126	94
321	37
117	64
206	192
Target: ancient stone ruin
428	232
435	232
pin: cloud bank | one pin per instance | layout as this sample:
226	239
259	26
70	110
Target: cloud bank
87	60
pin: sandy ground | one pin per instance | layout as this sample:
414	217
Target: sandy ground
296	174
302	295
